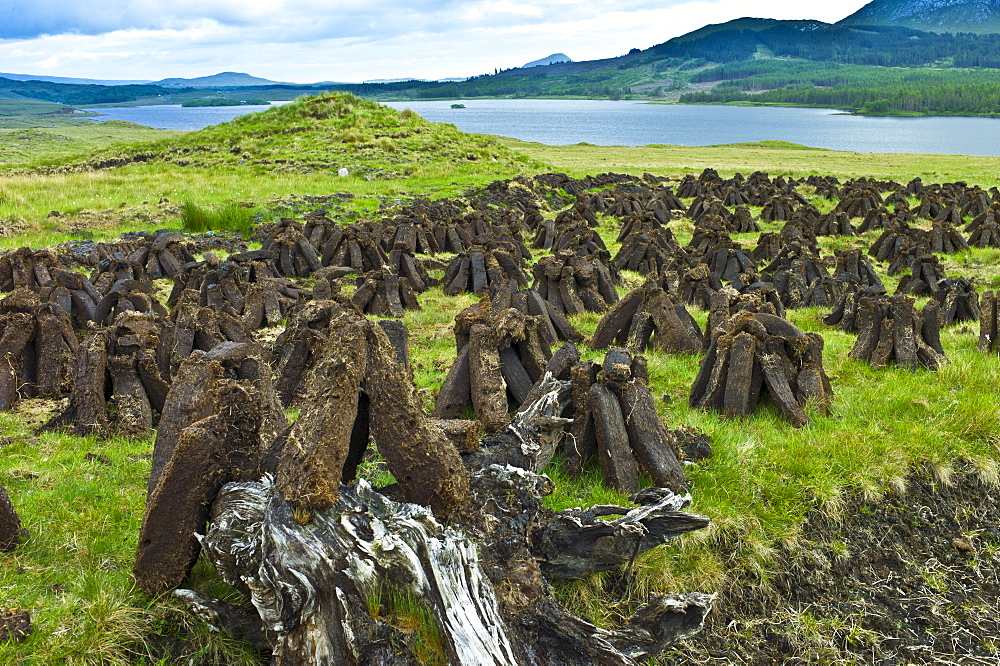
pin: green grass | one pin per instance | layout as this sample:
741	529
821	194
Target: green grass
775	158
29	141
231	217
30	107
262	158
74	571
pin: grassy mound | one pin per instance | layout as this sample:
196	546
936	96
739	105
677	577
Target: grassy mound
296	150
328	131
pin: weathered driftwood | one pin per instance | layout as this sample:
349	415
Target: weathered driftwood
891	329
570	545
989	318
324	587
219	415
756	353
649	317
37	348
120	380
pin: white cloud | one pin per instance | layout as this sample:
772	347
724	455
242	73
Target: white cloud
347	40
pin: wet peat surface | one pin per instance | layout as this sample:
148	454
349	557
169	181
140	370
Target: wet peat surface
912	578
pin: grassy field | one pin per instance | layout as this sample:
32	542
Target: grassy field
774	157
83	512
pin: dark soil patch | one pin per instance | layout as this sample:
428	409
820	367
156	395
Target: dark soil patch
913	578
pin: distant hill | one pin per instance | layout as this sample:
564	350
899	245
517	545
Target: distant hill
548	60
69	79
982	16
221	80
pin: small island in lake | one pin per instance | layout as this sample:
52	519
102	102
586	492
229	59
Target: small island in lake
458	106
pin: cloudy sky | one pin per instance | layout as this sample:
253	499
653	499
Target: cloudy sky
348	40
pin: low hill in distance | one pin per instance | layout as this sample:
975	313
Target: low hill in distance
70	79
221	80
982	16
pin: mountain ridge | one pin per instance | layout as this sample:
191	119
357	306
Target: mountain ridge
220	80
979	16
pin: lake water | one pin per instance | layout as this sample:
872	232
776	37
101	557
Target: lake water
628	123
177	117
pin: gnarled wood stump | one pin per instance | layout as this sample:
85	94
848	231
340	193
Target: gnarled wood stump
324	587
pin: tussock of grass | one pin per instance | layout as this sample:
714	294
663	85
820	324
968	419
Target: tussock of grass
195	219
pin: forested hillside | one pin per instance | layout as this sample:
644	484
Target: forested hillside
870	70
